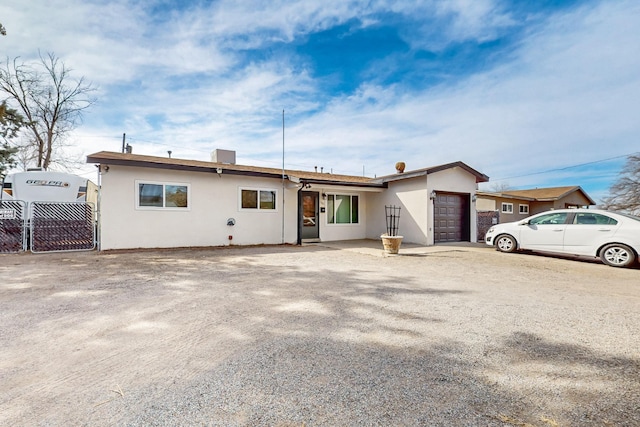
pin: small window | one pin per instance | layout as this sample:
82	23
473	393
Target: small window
257	199
523	209
595	219
162	196
342	209
507	208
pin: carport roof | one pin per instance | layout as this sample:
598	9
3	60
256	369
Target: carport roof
539	194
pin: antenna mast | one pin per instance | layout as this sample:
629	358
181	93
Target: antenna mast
283	177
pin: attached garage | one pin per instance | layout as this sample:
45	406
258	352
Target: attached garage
451	216
437	204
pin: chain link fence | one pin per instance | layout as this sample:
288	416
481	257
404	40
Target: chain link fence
62	226
485	220
46	226
13	228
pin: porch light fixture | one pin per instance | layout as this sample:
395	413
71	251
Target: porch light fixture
433	195
474	198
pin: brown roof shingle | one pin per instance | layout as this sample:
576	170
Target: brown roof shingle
540	194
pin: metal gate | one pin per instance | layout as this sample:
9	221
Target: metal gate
485	220
62	226
13	236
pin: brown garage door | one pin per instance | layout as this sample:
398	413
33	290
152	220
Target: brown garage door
451	218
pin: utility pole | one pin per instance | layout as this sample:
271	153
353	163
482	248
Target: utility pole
283	177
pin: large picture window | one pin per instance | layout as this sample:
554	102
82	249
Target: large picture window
258	199
162	196
342	209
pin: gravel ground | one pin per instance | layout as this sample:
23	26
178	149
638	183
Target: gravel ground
314	336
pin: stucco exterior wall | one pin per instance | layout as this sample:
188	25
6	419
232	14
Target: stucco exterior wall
332	232
413	198
574	199
412	195
213	199
535	207
483	204
515	216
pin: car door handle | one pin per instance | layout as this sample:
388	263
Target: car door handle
604	229
560	229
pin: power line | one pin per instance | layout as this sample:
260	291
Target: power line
565	167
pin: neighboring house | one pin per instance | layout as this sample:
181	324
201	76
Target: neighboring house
154	202
513	205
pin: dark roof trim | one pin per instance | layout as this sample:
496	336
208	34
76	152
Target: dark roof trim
173	166
344	183
480	177
227	169
505	196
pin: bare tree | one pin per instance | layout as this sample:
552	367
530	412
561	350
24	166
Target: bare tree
10	124
50	101
499	187
625	193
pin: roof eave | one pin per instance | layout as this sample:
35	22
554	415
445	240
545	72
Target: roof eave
226	170
343	183
480	177
174	166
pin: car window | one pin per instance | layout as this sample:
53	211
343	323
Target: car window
593	218
551	218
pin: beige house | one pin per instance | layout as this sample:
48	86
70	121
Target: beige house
154	202
513	205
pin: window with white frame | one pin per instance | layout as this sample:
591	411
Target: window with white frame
523	209
160	195
342	209
507	208
258	199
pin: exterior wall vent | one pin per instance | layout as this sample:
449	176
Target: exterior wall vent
223	156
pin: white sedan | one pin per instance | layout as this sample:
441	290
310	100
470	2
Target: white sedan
613	237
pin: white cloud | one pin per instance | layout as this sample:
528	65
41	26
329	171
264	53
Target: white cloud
568	93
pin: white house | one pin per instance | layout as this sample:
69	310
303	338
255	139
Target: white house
156	202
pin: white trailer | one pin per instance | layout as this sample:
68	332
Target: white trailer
46	186
47	211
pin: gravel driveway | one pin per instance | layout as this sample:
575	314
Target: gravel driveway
316	336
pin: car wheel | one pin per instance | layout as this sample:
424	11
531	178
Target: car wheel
506	243
617	255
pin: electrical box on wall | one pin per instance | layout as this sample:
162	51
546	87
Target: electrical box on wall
323	210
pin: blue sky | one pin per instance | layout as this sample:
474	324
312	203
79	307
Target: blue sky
533	94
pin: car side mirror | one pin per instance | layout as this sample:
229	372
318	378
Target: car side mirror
524	222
